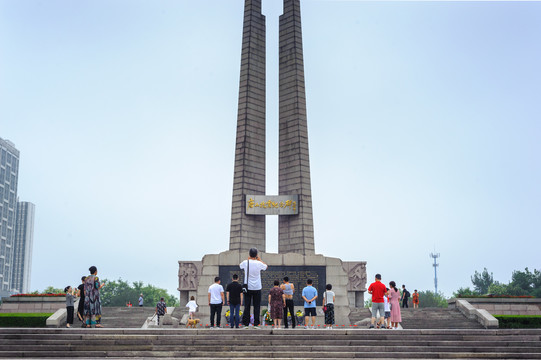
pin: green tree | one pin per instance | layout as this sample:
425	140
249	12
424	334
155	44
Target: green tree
522	283
119	292
481	281
498	289
523	280
368	303
52	290
428	298
464	292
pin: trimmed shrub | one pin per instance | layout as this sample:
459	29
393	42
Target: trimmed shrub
23	319
519	321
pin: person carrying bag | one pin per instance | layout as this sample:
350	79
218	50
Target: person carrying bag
328	306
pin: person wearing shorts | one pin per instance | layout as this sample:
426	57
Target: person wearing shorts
387	306
309	294
377	289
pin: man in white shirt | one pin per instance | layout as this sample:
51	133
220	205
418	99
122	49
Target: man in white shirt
252	276
216	300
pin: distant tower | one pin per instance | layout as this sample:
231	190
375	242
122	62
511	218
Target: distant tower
9	173
22	249
435	256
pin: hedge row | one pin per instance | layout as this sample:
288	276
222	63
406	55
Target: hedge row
23	319
519	321
496	296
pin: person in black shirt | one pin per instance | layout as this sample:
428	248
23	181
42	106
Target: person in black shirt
405	296
81	306
234	299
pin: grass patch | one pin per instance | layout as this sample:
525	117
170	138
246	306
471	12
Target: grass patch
519	321
23	319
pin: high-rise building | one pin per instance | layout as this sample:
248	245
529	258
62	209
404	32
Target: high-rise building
9	171
22	247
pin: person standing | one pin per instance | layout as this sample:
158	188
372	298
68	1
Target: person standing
92	309
309	294
377	290
415	298
252	278
141	300
277	302
192	307
387	305
288	290
216	300
405	296
234	299
81	306
394	297
161	309
70	300
328	300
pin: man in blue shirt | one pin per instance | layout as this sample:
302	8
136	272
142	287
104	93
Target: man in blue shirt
309	294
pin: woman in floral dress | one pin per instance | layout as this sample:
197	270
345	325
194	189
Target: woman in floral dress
277	302
92	298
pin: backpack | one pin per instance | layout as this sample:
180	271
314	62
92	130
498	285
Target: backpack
407	294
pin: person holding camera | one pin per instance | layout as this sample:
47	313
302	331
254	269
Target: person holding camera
252	286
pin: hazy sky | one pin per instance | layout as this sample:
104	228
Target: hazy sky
423	117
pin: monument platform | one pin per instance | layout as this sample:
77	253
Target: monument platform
348	279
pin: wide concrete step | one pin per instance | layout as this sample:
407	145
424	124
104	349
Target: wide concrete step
286	344
266	355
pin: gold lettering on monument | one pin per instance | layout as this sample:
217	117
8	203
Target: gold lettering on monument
272	204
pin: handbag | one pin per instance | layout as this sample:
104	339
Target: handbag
325	308
245	286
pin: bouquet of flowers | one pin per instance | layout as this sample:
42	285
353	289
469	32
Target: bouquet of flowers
228	314
267	317
300	317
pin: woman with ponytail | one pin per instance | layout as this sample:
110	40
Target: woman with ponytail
394	298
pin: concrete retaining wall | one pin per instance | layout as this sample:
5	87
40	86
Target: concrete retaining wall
44	304
504	306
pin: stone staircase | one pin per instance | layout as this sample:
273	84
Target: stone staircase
436	318
267	343
425	318
125	317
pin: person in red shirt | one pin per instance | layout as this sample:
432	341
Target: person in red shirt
377	289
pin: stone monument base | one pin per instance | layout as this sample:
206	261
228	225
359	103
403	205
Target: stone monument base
348	280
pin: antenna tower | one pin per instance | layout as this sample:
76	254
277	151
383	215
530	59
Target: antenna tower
435	256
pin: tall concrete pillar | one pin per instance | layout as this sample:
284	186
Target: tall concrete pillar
296	232
249	178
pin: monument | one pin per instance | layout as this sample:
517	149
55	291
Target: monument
296	256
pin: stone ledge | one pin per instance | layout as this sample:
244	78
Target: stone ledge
481	315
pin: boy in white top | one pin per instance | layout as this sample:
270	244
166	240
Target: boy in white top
252	276
387	309
216	300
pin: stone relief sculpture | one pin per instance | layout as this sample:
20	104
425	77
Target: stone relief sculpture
188	274
357	277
